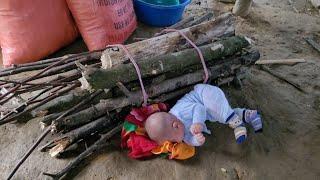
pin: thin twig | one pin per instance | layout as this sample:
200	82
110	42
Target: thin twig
12	118
47	62
311	41
67	66
34	84
41	62
26	89
277	75
23	105
101	143
52	93
8	98
281	61
58	79
46	132
41	137
33	77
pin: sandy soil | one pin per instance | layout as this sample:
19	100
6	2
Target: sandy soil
289	147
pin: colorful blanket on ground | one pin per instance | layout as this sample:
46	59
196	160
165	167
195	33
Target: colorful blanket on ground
135	138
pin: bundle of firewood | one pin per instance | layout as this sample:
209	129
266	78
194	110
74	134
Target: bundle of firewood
109	83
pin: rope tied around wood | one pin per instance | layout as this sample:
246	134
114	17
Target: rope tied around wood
206	73
144	94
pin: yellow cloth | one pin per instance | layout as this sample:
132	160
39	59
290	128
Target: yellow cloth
179	151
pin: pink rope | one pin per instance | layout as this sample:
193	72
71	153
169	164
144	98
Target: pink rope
206	73
145	95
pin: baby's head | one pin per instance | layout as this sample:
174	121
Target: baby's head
162	126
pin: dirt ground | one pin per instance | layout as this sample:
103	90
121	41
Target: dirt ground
288	148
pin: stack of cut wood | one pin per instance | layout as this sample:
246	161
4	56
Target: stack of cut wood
109	88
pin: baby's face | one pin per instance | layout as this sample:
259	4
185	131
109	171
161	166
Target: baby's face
175	129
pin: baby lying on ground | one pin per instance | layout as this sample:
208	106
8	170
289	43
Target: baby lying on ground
186	120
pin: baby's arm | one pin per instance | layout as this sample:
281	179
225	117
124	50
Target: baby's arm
194	140
199	116
198	123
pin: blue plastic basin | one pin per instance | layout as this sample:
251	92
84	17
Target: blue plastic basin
159	15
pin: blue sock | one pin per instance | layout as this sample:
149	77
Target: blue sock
236	123
240	134
251	117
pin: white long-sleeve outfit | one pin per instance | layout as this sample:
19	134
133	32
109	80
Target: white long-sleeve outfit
205	102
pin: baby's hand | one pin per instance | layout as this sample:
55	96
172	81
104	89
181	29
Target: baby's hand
200	138
196	128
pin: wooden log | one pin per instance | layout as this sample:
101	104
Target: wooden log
107	78
221	26
59	145
281	61
100	144
154	90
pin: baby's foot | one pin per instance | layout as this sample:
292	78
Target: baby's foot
240	134
253	118
240	131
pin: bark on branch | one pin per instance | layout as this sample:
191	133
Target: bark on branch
107	78
57	146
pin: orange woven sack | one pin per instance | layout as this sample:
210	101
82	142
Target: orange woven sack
103	22
33	29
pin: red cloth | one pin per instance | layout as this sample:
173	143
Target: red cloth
134	137
140	145
139	115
